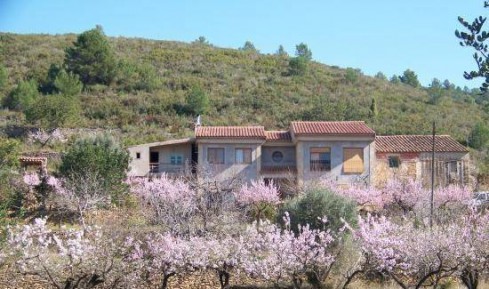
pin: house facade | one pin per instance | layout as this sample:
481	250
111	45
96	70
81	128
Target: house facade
344	151
410	156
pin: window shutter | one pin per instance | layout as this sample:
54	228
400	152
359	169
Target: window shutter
353	160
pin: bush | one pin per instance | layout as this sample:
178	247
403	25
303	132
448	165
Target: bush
22	96
317	203
100	157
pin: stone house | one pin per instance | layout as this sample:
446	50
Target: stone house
343	151
409	156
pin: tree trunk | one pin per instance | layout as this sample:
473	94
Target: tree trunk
470	278
224	279
164	283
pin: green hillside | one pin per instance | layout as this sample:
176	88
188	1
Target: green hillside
147	100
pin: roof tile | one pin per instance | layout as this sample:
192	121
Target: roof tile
278	135
417	143
230	132
331	127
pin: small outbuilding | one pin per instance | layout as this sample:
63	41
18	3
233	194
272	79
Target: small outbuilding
409	156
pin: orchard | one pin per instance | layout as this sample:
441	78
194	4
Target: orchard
247	235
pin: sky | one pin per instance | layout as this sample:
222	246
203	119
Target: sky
377	35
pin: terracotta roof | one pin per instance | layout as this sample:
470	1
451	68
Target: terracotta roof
278	135
33	160
164	143
331	127
417	143
230	132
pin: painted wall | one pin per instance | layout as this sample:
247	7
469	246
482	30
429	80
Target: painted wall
336	149
165	153
139	166
229	170
288	153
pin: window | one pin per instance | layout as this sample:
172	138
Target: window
138	155
277	156
215	155
176	159
353	160
320	159
394	161
243	156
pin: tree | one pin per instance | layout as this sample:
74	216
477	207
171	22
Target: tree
475	37
409	77
68	258
68	84
9	163
374	112
395	79
316	203
197	101
435	91
297	66
301	50
257	196
23	96
92	58
281	51
380	76
96	156
53	111
201	41
249	47
479	136
3	77
351	75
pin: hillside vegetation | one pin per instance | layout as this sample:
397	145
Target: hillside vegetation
148	99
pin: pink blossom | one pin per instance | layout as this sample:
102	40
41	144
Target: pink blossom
257	192
32	179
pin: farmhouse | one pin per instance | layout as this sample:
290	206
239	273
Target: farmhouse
343	151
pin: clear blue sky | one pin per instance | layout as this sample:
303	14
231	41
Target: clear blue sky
377	35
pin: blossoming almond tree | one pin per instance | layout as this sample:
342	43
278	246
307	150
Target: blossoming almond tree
412	257
278	255
167	201
257	196
67	259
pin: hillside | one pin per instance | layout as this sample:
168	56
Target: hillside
243	87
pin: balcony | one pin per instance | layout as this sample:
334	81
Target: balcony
273	169
320	165
158	168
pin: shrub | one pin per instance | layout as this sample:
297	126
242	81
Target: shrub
101	157
311	207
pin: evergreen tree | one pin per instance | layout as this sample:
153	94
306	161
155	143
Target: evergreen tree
3	77
475	37
380	76
409	77
197	101
479	136
92	58
22	96
249	47
67	84
301	50
281	51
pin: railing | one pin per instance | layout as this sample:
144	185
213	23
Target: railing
278	169
320	165
155	168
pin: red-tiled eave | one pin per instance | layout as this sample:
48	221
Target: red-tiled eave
32	160
331	128
278	136
230	132
417	143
